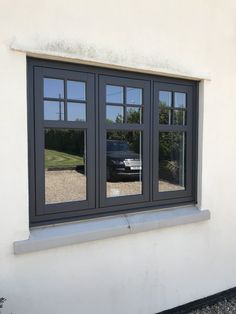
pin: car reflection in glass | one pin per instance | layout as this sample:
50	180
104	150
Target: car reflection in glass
122	162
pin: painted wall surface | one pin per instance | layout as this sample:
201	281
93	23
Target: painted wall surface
151	271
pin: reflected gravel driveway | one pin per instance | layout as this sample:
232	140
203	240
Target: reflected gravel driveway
223	307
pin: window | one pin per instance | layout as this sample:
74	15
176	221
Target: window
103	142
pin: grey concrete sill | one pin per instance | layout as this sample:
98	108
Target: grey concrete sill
96	229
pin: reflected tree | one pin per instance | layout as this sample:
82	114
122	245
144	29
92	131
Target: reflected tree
65	140
134	115
171	156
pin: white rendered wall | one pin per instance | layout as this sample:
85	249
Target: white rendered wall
147	272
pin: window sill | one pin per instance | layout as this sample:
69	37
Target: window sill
96	229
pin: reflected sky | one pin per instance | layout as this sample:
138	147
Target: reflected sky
75	90
53	88
114	94
53	110
76	112
165	98
133	96
180	100
114	114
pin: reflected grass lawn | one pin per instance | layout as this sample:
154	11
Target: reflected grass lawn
56	159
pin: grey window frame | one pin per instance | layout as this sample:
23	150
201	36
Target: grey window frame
104	127
97	205
157	128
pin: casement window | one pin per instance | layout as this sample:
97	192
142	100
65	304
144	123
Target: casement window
105	142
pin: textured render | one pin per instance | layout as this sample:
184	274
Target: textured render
97	229
146	272
89	54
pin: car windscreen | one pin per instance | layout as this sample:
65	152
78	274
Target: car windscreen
117	146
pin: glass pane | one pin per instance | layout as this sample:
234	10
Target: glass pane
134	96
53	88
180	100
114	114
179	117
65	165
124	163
165	99
114	94
172	152
165	116
76	112
75	90
53	110
134	115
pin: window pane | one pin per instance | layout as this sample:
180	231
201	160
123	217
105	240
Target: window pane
53	110
165	99
65	165
172	152
179	117
124	163
134	115
170	117
165	116
76	112
114	94
114	114
180	100
134	96
53	88
75	90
